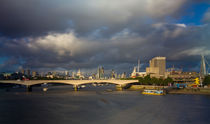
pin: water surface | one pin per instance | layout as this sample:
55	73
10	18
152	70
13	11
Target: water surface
61	105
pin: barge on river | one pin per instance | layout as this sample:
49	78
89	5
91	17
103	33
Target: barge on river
153	92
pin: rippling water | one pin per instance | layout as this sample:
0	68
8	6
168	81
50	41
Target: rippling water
60	105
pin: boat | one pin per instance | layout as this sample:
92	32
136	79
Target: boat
153	92
83	86
45	89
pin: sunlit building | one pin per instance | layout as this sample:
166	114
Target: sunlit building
100	73
157	67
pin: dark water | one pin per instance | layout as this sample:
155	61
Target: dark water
60	105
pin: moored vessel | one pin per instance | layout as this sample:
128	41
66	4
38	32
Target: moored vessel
153	92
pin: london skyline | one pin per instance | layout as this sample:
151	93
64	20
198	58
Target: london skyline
68	35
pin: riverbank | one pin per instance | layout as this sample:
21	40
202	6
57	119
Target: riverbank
199	91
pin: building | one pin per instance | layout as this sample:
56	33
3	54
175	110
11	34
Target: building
79	74
28	72
123	75
73	74
22	71
66	73
157	67
100	73
178	76
136	71
34	74
112	75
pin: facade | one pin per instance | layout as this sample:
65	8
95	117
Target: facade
157	67
34	74
123	75
79	74
112	75
179	76
28	72
135	73
100	73
66	73
22	71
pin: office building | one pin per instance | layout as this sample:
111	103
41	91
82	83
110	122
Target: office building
157	67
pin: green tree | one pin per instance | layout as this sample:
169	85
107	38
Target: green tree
141	80
147	80
206	80
154	81
167	81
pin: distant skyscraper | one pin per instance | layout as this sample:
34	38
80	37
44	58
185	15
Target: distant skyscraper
73	75
22	71
100	73
34	73
203	71
157	67
112	76
28	72
66	73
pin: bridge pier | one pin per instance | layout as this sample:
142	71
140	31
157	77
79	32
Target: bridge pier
29	88
75	88
119	87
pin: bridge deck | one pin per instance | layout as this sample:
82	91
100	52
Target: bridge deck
72	82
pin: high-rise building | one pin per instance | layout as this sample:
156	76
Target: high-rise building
28	72
203	71
73	75
100	73
112	76
34	74
66	73
22	71
157	67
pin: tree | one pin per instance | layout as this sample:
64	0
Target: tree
141	80
154	81
147	80
167	81
206	80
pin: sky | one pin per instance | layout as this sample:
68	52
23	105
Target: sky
46	35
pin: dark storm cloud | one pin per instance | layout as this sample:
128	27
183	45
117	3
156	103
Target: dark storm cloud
175	41
72	34
38	17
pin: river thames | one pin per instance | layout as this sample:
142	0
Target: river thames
61	105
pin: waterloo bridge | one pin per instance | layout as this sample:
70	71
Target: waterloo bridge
75	83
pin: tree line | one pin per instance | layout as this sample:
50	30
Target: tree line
147	80
206	80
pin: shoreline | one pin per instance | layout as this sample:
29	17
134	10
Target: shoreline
187	91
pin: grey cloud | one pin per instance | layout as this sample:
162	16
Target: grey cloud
50	34
38	17
175	41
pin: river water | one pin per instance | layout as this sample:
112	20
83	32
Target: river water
62	105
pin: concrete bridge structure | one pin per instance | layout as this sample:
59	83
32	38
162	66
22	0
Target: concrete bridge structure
75	83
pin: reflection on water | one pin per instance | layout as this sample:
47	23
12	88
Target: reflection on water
94	105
